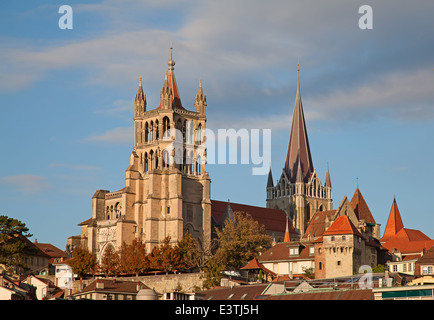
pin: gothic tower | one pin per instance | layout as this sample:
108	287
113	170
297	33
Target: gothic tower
167	190
299	191
167	171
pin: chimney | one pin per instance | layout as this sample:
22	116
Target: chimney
139	286
99	284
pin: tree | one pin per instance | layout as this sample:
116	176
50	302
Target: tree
14	245
165	257
83	262
241	240
213	272
110	262
134	258
189	252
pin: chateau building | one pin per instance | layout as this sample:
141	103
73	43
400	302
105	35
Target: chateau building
299	191
167	190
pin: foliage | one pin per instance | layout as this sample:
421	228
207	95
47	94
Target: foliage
110	262
379	269
309	272
83	262
165	257
241	240
134	258
14	245
213	272
188	250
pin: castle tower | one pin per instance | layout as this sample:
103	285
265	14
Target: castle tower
299	191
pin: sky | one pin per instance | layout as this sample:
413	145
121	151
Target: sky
66	97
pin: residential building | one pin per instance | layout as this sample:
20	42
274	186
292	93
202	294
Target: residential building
112	289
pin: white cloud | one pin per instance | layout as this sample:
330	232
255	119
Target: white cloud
27	183
119	135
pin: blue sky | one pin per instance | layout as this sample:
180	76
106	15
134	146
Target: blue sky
66	97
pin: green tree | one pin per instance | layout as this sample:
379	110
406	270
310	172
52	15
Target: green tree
83	262
14	245
134	258
188	252
213	272
241	240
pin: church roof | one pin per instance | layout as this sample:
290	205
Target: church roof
270	183
298	154
342	225
360	207
273	219
394	223
408	241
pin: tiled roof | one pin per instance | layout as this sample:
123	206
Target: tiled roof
409	241
394	223
361	208
111	285
248	292
51	250
317	225
342	225
280	252
254	264
365	294
271	219
428	257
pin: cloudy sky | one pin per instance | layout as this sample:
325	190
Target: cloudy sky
66	97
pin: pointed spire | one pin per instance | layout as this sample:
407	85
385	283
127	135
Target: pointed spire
270	183
298	147
394	223
287	237
200	100
328	182
170	84
140	99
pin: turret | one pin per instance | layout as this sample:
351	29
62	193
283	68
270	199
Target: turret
140	100
200	100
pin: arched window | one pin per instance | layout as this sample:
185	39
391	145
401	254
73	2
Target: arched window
157	130
146	162
151	160
166	128
166	159
151	132
199	134
146	132
199	165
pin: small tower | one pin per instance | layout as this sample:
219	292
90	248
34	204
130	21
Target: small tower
200	100
140	100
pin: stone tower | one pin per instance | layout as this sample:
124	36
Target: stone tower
167	190
299	191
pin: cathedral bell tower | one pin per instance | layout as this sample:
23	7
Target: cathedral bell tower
299	191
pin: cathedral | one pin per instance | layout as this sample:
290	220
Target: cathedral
167	189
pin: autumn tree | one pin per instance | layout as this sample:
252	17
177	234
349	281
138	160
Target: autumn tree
14	245
134	258
213	272
110	262
165	257
83	262
240	240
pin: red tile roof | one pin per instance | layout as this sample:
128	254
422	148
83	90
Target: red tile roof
271	219
317	225
342	225
408	241
394	223
361	208
280	252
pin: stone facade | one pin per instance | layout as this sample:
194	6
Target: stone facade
167	190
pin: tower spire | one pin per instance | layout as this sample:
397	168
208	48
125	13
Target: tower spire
298	147
171	83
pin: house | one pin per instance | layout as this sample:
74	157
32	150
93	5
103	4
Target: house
55	254
45	288
112	289
64	274
11	289
425	264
